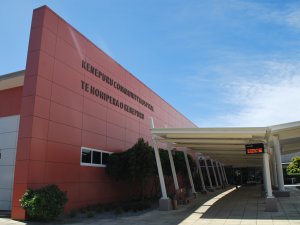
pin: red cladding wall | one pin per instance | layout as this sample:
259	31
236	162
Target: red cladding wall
10	101
59	114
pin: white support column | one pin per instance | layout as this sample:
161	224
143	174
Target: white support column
208	175
224	174
225	177
173	169
189	171
271	169
267	174
264	176
214	172
271	202
201	175
164	203
277	153
273	160
219	173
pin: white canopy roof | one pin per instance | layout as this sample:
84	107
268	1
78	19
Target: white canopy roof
227	145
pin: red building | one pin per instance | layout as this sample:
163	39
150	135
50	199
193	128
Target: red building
61	118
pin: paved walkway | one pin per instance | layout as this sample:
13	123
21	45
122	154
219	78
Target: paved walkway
244	206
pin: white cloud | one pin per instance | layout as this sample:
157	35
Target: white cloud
292	18
272	98
287	16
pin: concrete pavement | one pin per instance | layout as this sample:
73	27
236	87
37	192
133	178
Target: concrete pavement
244	206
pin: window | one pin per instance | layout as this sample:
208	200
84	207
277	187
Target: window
93	157
104	157
86	156
96	157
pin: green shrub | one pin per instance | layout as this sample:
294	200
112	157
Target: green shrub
45	203
73	213
136	205
83	210
294	166
110	206
99	208
90	207
90	214
118	210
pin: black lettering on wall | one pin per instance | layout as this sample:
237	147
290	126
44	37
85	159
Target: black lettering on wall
110	99
88	67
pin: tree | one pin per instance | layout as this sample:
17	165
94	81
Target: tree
180	165
294	166
141	163
136	165
117	166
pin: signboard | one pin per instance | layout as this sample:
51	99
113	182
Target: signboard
257	148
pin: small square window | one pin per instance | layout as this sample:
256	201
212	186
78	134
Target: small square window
104	158
86	156
93	157
96	157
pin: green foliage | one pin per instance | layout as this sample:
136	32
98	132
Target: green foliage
99	208
83	210
165	162
117	165
138	163
45	203
90	214
73	213
294	166
181	168
135	205
134	165
118	210
180	164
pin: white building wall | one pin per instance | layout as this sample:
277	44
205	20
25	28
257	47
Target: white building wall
9	127
287	158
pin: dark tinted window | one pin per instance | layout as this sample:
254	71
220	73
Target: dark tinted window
96	157
86	156
104	158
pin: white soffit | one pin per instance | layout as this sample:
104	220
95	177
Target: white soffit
227	145
289	136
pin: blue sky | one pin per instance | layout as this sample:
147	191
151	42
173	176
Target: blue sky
220	63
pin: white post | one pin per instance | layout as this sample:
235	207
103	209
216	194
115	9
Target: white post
271	169
189	171
158	163
173	169
225	177
214	172
208	174
270	201
267	174
277	153
274	170
274	179
264	176
222	172
219	173
201	175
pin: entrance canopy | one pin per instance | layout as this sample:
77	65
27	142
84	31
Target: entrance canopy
227	145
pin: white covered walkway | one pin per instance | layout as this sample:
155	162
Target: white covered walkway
226	147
